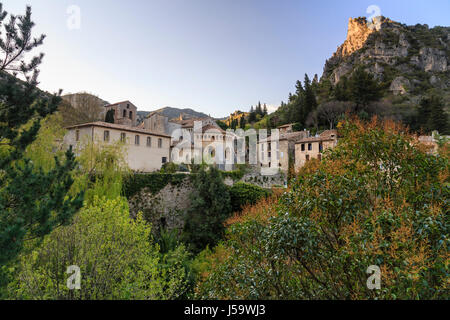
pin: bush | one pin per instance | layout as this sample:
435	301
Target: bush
243	194
154	182
116	256
210	206
378	198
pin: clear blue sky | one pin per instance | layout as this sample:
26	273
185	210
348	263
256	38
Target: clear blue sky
215	56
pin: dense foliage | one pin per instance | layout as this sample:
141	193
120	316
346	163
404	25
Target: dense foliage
242	194
377	199
210	206
116	257
33	200
154	182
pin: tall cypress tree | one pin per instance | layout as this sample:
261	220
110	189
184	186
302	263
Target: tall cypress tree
310	102
32	202
265	110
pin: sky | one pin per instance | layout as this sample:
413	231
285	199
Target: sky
214	56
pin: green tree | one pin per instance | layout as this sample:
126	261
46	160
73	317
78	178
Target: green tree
431	115
32	202
116	256
109	116
242	194
222	125
210	206
252	116
242	122
341	90
364	88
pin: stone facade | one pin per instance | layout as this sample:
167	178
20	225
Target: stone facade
145	151
270	150
124	113
313	147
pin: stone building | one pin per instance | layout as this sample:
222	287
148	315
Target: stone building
146	151
158	122
286	128
313	147
124	113
211	144
281	150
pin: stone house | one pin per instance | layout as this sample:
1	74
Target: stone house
212	144
158	122
281	149
124	113
146	151
286	128
313	147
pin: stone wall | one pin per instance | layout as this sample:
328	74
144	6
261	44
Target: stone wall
166	208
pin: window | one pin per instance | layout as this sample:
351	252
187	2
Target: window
124	113
128	106
136	140
149	141
77	135
123	137
159	143
320	147
164	159
309	146
303	147
106	135
307	157
131	114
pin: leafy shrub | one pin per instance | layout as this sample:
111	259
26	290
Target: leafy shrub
378	198
154	182
242	194
210	206
115	255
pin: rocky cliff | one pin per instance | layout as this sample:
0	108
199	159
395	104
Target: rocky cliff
408	60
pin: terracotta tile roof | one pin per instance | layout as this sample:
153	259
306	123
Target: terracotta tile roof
328	133
314	139
288	136
118	127
115	104
286	125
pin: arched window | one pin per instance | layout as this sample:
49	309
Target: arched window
131	115
124	113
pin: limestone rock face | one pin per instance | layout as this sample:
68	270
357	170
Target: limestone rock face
406	59
431	59
400	85
357	34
